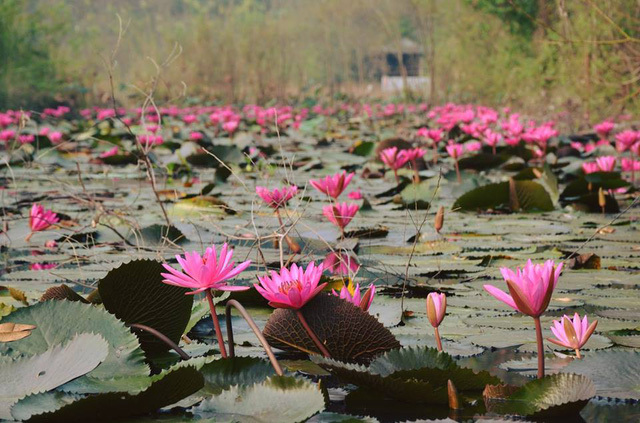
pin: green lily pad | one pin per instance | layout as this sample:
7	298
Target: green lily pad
43	372
531	197
135	293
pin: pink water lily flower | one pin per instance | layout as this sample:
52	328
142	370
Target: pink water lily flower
413	154
109	153
590	167
454	150
394	158
340	214
277	198
207	271
291	288
604	128
354	297
26	138
333	185
339	263
625	139
606	163
230	126
436	309
41	218
55	136
530	287
355	195
572	333
629	165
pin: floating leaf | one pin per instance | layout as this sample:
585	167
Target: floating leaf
167	389
349	333
135	293
58	321
552	396
278	398
627	338
43	372
482	161
62	292
615	374
158	234
531	196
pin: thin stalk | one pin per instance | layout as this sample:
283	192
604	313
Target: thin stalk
256	331
160	336
578	353
458	172
416	174
395	173
540	347
438	340
216	323
312	334
633	170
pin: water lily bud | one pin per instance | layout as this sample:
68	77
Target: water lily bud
439	221
602	200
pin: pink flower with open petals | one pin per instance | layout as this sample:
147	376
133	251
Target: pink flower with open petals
291	288
340	214
604	128
55	136
530	287
606	163
196	136
355	195
41	218
413	154
393	158
206	272
277	198
572	333
230	126
362	301
26	138
473	146
590	167
339	263
333	185
629	165
625	139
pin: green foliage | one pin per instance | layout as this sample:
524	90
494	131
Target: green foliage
518	18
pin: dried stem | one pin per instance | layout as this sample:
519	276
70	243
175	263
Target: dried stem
267	348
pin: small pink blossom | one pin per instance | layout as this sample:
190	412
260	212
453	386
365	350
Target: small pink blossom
196	136
572	333
604	128
41	218
455	150
339	263
291	288
26	138
436	308
355	195
606	163
111	152
590	167
333	185
355	298
393	158
340	214
277	198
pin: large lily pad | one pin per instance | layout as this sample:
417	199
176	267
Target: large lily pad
349	333
135	293
58	321
531	196
54	367
278	398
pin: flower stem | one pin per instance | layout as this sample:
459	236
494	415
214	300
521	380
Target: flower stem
395	173
458	172
216	323
578	353
438	341
312	334
28	237
540	347
416	174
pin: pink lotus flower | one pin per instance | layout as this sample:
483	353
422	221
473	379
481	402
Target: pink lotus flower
206	272
339	263
291	288
606	163
196	136
51	243
436	309
7	135
413	154
530	290
230	126
530	287
455	150
604	128
340	214
278	197
55	137
355	195
572	334
590	167
354	297
26	138
332	185
629	165
41	218
473	146
393	158
625	139
42	266
111	152
189	119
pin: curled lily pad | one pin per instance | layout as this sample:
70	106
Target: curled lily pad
625	337
415	374
62	292
135	293
348	332
557	395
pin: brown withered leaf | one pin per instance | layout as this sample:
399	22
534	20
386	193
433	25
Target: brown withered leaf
14	331
62	292
349	333
584	261
18	295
